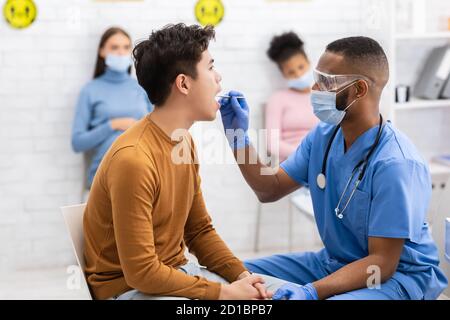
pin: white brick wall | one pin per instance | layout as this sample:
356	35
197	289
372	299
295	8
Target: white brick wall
43	68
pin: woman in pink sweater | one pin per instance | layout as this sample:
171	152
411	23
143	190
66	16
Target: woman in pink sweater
289	110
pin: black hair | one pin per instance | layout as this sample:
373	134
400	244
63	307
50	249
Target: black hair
365	53
284	46
168	52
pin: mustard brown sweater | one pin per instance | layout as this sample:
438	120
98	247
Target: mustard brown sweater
143	210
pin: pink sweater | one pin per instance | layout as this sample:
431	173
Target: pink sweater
290	112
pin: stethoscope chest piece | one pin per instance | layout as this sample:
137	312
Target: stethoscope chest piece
321	181
338	213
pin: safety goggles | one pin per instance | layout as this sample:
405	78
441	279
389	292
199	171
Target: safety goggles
332	82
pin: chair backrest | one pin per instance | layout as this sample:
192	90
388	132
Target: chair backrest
73	217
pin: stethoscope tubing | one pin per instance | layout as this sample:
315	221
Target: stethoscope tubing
363	162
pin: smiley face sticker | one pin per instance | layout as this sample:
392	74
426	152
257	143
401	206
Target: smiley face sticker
209	12
20	13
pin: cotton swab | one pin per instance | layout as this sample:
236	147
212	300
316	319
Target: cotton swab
227	96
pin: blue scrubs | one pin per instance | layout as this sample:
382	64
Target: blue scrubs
391	201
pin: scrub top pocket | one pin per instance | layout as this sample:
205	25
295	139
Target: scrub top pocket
356	215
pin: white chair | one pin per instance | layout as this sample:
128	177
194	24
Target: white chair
300	200
73	217
266	157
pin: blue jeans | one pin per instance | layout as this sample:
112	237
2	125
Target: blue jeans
194	269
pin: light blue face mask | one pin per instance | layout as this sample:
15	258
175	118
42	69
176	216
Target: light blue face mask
303	82
324	106
118	63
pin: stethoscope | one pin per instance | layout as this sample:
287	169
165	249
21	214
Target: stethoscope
361	165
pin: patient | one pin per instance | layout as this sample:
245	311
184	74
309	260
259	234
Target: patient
289	110
145	208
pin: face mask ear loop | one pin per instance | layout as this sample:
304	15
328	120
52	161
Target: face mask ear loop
353	100
350	104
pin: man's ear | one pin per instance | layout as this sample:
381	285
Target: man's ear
182	82
361	89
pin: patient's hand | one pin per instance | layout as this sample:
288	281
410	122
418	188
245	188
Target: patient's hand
243	275
243	289
264	294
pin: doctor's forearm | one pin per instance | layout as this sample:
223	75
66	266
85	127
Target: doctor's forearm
354	276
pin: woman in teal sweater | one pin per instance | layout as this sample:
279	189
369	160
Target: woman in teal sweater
110	103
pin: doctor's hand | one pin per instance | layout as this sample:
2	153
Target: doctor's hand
235	112
291	291
243	289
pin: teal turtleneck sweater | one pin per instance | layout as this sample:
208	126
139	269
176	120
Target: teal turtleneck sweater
112	95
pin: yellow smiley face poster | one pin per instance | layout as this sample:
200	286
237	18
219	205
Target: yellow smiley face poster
209	12
19	13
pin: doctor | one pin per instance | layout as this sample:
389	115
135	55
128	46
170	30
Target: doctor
370	188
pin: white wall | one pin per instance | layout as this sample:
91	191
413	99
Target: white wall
412	55
43	68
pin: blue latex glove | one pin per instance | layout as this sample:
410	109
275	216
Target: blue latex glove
234	114
291	291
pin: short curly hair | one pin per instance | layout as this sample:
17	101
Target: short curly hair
284	46
168	52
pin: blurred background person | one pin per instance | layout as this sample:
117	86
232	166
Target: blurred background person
289	110
110	103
